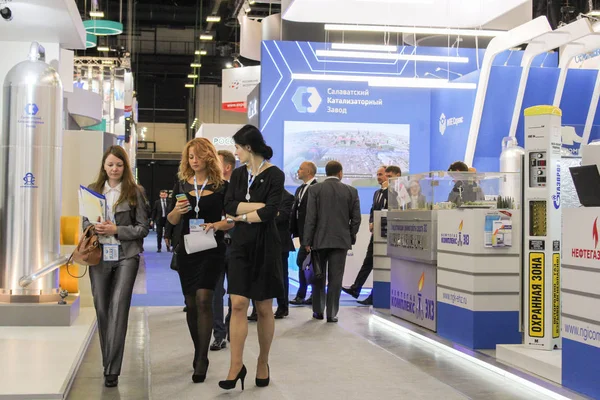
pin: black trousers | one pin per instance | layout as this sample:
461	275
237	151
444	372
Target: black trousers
303	286
284	302
366	269
112	288
160	229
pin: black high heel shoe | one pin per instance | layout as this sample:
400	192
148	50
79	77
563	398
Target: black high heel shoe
111	380
199	378
230	384
264	382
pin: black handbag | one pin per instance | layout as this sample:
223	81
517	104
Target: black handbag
312	269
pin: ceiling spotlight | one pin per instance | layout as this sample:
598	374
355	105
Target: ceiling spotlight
206	36
228	65
200	52
107	62
213	18
252	2
97	14
192	76
103	48
195	65
189	85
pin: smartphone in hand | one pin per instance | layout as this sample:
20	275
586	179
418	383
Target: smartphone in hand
183	198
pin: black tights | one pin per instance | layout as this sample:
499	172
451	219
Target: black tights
200	322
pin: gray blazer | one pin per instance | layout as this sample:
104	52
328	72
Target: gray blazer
332	215
130	233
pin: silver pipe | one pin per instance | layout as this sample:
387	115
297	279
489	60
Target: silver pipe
29	279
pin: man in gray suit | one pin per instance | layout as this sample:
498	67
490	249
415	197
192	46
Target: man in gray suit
332	222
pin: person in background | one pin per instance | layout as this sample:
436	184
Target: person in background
254	264
417	199
306	173
159	217
463	190
202	194
220	327
112	280
380	202
333	207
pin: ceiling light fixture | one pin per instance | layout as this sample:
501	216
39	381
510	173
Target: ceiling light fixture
195	65
387	81
206	36
228	65
97	14
248	10
103	48
213	18
107	62
396	56
366	47
200	52
192	76
252	2
189	85
413	30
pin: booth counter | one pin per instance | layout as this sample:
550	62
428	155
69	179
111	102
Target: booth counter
381	261
581	300
478	277
412	249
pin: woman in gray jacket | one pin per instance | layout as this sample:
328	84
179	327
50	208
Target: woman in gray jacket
122	237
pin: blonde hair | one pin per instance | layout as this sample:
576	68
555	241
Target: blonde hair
205	150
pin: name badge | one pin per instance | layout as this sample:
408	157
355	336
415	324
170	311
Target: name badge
110	252
196	225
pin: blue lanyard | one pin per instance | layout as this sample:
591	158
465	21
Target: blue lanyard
251	179
198	195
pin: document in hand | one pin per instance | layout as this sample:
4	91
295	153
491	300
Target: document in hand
92	205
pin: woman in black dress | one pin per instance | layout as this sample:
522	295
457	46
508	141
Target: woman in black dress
254	262
203	190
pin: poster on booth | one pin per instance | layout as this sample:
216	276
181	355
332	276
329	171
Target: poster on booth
238	83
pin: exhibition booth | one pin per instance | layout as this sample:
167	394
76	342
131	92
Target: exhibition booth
468	273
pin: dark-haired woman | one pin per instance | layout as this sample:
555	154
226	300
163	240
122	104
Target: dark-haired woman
124	232
203	188
252	199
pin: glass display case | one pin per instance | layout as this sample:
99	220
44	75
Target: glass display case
444	190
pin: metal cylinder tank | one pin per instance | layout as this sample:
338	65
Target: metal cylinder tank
30	175
511	160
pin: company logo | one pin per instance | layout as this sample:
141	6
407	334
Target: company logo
589	254
306	94
31	109
445	123
252	108
235	85
595	233
223	141
422	281
29	181
421	307
458	239
556	197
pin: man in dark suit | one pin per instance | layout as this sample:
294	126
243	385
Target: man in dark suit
287	245
306	173
159	216
332	222
380	202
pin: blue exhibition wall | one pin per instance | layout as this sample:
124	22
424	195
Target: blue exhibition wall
575	104
319	108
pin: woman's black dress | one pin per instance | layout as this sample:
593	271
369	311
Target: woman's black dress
200	270
254	258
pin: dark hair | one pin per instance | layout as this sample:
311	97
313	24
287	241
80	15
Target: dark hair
458	166
393	169
164	191
228	157
333	168
249	135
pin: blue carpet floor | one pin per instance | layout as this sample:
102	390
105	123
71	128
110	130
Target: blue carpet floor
162	283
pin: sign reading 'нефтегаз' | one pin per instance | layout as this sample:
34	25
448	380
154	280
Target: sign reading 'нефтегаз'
536	295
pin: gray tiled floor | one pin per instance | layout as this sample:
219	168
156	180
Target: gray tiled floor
355	359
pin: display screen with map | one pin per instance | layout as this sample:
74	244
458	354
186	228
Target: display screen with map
360	147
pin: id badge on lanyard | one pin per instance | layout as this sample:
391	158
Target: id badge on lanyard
110	252
196	223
